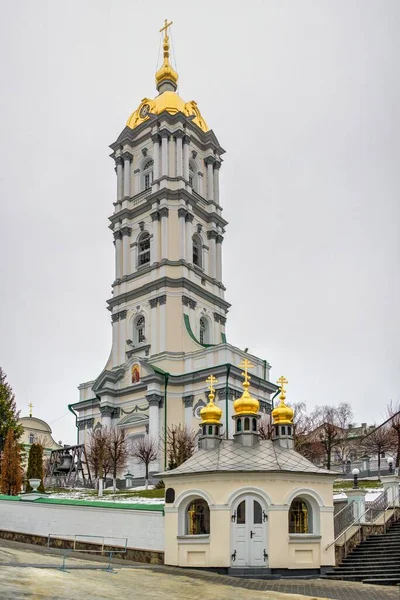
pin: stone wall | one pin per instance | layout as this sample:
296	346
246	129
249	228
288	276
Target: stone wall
32	522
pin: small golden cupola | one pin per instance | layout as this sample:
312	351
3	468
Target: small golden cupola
211	414
246	411
282	416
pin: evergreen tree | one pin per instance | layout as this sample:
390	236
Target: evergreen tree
35	467
11	472
8	411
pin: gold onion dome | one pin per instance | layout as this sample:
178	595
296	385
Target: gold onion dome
282	414
246	404
211	414
168	100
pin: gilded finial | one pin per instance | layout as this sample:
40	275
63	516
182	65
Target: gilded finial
30	405
246	365
211	413
166	74
282	414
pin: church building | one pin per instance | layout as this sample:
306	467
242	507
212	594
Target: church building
168	309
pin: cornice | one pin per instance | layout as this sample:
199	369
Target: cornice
165	282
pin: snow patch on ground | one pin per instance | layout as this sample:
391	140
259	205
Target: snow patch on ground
118	498
371	495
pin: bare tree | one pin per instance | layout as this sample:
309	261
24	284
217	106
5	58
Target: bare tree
393	410
381	439
265	427
180	444
118	452
145	451
331	429
98	456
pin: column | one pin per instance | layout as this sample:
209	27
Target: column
126	249
81	431
212	258
206	258
115	331
156	402
106	413
156	155
134	263
186	142
357	497
163	212
164	153
188	403
179	157
218	274
118	254
200	183
182	233
209	161
120	178
127	156
155	246
136	180
122	337
217	167
189	244
391	486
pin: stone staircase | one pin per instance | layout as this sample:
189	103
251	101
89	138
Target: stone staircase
376	560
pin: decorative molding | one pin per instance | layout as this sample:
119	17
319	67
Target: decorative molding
186	139
219	318
217	165
153	302
164	133
136	171
116	413
158	301
155	400
156	138
122	314
209	160
188	401
115	317
189	218
182	212
199	227
212	234
163	212
126	231
144	151
219	239
117	235
194	154
178	134
186	301
155	216
119	161
106	411
127	156
141	225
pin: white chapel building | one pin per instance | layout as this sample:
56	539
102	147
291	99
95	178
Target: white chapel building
168	309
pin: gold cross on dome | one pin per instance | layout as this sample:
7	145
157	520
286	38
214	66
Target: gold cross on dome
165	28
30	408
211	380
282	382
246	365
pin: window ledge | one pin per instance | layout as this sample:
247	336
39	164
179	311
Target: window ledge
194	539
303	538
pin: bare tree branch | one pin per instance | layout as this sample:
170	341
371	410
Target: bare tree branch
180	444
145	451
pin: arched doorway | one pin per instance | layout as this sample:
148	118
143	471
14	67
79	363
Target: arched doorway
249	532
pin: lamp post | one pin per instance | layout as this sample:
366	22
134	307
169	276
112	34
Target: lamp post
355	473
390	463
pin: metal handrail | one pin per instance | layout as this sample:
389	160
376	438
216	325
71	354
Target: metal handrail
353	524
340	516
121	549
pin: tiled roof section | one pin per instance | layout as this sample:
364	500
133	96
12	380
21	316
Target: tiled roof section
232	456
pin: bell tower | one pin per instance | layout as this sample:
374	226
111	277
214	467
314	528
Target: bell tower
168	228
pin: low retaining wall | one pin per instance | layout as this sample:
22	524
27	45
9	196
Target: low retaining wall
31	522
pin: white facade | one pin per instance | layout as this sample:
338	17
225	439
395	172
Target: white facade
168	307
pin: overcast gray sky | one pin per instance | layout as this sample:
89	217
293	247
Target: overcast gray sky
304	97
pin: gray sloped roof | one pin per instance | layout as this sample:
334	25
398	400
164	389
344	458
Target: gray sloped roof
232	456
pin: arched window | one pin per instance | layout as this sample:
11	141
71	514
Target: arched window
254	424
144	249
239	425
203	331
300	516
139	333
31	438
147	174
197	251
192	176
247	424
197	517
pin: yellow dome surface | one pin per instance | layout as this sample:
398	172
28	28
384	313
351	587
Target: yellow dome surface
211	414
170	102
246	404
283	414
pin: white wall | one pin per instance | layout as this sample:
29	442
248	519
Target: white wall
144	529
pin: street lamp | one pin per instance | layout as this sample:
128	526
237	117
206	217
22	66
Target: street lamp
390	463
356	473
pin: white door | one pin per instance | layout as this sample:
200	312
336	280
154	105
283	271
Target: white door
249	534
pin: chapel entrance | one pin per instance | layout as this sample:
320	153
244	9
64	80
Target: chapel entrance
249	534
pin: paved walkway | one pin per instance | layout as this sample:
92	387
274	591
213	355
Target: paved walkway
31	573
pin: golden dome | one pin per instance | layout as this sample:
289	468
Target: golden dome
211	414
282	414
246	404
168	99
172	103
